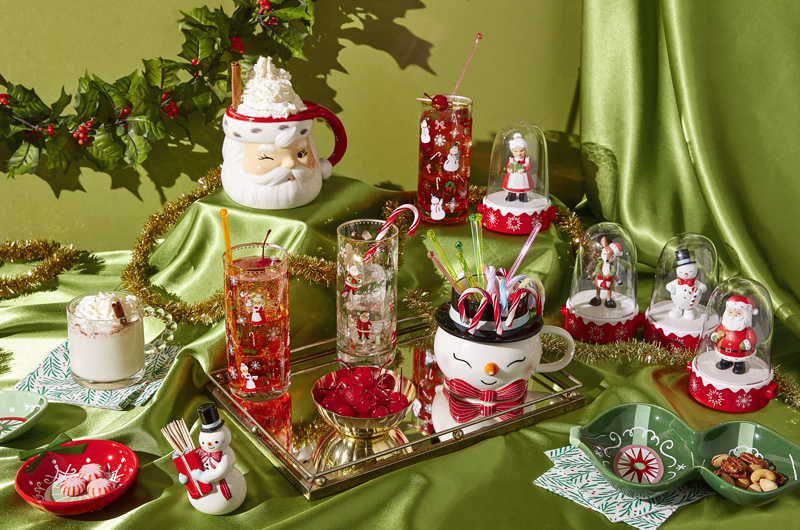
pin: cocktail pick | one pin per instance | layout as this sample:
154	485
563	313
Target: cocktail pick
524	250
464	267
442	256
223	213
446	275
477	246
478	38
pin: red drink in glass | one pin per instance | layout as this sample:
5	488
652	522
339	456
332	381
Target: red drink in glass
257	321
445	148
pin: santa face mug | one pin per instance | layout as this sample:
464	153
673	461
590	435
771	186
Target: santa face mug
486	373
272	163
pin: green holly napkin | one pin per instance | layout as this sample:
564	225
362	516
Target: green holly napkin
53	379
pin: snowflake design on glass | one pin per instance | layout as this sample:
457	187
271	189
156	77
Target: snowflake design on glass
233	372
452	205
514	222
255	365
744	401
714	397
231	351
621	333
694	385
240	320
234	281
454	132
491	218
439	140
427	185
595	333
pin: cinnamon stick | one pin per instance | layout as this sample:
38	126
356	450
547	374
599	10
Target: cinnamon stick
236	84
118	311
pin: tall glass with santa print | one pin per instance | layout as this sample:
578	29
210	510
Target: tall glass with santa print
445	147
732	368
517	195
686	275
257	320
602	306
366	292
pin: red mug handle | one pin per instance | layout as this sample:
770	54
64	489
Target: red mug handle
339	136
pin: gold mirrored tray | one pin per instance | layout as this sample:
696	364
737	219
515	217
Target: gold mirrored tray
319	462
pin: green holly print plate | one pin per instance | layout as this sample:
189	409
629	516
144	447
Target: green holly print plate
644	450
19	411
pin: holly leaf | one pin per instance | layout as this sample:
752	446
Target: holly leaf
24	159
61	151
25	104
161	73
199	44
299	12
116	95
87	98
289	40
58	107
136	147
152	129
105	150
213	22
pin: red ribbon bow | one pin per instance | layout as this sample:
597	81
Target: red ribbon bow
210	458
464	411
461	388
690	283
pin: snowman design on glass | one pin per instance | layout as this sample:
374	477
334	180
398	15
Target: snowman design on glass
685	290
249	379
451	164
606	273
734	338
425	133
229	487
437	211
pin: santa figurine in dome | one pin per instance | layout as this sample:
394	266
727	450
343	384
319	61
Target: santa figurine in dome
229	487
685	290
735	339
606	273
518	181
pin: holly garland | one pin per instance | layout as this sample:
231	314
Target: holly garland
118	123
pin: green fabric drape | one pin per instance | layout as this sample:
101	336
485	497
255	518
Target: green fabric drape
689	124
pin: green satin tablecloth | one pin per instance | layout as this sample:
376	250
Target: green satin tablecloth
488	484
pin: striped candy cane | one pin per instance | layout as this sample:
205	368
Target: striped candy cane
462	302
388	225
537	284
498	319
515	298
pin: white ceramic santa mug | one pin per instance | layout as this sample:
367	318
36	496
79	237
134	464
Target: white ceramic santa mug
272	163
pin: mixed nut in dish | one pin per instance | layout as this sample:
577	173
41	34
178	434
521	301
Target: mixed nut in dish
748	472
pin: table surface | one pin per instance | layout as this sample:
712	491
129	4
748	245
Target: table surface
489	483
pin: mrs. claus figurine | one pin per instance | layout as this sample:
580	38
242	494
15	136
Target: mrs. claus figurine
229	486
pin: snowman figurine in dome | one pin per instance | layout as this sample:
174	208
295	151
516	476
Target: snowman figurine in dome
229	487
732	368
602	306
685	276
517	195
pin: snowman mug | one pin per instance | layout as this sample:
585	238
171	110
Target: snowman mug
490	362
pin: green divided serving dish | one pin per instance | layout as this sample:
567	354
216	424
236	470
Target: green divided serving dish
656	451
19	411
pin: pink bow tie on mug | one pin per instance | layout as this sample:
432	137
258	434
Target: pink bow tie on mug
461	388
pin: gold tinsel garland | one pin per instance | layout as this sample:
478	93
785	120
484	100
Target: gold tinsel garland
55	260
568	222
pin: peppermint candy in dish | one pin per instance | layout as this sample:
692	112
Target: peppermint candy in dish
686	274
99	486
89	472
270	159
732	368
72	486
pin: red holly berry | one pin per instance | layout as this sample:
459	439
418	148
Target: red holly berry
195	61
170	109
272	21
236	44
51	130
80	142
3	99
266	5
165	95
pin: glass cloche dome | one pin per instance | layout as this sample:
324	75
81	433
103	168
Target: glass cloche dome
517	194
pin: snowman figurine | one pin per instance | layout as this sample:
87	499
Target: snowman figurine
686	290
229	486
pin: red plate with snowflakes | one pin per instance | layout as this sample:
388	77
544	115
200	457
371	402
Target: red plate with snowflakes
42	488
639	464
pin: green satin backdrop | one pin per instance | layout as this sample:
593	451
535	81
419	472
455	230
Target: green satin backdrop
689	124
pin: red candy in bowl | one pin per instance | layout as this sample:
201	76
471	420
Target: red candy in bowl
41	489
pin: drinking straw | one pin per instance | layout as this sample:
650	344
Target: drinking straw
476	248
446	275
478	38
387	225
524	250
223	213
442	256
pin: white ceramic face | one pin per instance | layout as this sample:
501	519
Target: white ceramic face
686	272
471	361
215	441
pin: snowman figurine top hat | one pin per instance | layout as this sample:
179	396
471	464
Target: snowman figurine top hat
229	487
686	274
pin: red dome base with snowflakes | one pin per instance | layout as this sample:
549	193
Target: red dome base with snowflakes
728	397
600	333
655	333
512	223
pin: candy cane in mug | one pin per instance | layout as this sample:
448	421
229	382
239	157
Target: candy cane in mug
388	225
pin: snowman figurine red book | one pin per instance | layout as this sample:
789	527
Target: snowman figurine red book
229	487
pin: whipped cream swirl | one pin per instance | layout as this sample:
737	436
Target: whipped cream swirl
269	93
98	307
